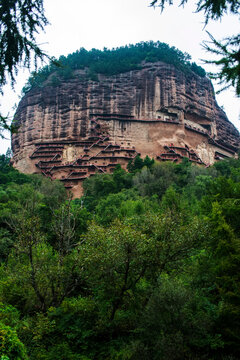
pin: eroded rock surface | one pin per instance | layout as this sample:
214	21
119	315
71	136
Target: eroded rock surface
82	126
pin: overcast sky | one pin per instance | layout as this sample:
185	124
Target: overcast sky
113	23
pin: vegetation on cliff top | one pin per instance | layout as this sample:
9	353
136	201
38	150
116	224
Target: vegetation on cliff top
112	62
144	266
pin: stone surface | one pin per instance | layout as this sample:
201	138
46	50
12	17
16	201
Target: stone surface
155	111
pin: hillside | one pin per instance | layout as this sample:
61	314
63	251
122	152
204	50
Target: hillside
72	126
144	266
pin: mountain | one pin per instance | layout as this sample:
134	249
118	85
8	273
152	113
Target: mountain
71	127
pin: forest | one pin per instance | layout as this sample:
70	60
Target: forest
112	62
144	266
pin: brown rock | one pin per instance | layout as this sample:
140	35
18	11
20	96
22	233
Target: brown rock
82	126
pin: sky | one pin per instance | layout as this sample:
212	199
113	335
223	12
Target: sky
112	23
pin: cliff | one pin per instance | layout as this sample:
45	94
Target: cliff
78	127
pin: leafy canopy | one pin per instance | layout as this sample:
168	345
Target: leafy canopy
144	266
114	61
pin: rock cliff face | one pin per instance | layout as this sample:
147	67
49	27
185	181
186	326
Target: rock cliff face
81	126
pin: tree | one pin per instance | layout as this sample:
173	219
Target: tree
37	276
213	9
64	224
176	323
116	259
219	276
229	73
156	180
112	62
11	347
20	21
229	50
5	126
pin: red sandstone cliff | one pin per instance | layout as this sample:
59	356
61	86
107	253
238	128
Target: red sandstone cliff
142	110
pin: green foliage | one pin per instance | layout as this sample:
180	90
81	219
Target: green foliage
6	243
228	63
122	205
143	266
20	22
225	259
9	174
198	69
174	314
138	163
100	186
212	9
5	125
156	179
11	347
112	62
146	264
9	315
